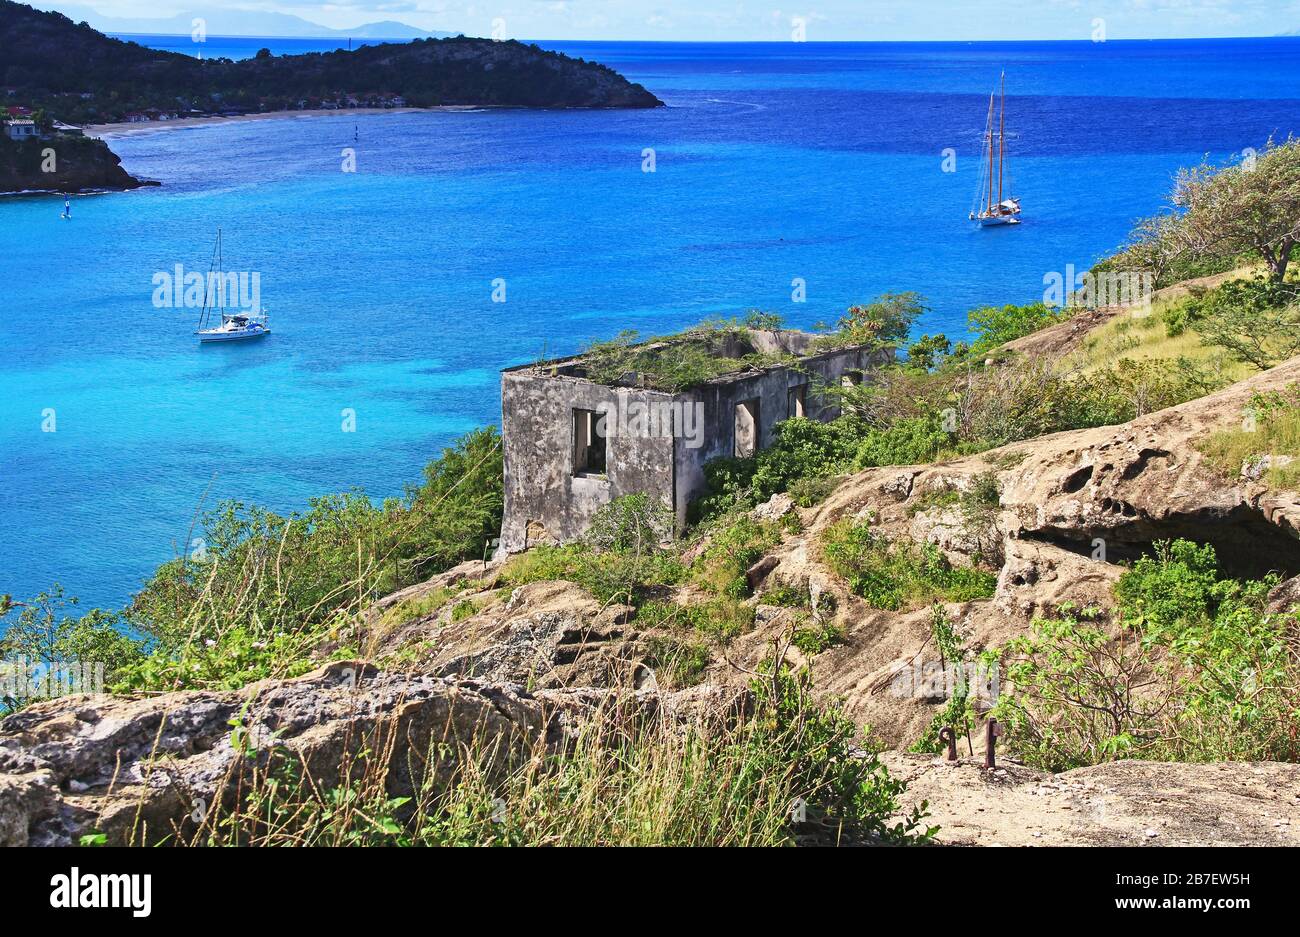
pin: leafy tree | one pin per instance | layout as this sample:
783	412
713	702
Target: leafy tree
928	351
42	629
1257	321
997	325
882	323
457	511
1224	212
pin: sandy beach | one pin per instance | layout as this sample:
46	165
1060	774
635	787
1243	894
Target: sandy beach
153	126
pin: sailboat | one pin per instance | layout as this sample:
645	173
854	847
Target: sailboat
231	326
1005	209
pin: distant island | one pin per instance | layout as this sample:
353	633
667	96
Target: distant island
240	23
53	71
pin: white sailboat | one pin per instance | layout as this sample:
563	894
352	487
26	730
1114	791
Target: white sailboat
231	326
1005	208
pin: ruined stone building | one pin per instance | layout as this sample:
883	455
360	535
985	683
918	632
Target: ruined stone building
581	431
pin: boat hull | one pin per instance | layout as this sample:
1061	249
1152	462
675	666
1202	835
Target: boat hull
994	220
206	337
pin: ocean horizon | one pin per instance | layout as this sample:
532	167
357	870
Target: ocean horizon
466	242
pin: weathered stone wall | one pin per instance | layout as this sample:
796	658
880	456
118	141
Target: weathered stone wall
537	430
771	389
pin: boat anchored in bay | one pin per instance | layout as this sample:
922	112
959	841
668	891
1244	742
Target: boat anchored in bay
230	326
1005	209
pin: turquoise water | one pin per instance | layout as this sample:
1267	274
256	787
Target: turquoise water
774	162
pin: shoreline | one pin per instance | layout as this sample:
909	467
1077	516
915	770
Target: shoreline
122	129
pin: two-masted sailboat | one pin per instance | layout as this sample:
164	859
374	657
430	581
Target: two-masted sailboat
230	326
1005	208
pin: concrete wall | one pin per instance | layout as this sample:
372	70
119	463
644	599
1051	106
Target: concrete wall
771	389
537	430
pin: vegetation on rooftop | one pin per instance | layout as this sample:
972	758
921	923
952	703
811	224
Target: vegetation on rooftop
673	363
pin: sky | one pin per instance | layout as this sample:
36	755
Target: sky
754	20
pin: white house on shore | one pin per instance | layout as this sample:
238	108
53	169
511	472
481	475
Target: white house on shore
21	128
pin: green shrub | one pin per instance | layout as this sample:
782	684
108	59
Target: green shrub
894	574
466	608
997	325
454	513
1256	321
817	636
1194	670
928	352
42	630
803	449
732	550
728	488
882	323
630	523
908	442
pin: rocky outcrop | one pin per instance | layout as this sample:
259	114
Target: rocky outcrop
1123	803
143	770
1072	508
140	770
65	164
1124	486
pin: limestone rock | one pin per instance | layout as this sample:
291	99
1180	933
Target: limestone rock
1115	804
141	769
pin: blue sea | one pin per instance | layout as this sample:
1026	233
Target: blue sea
822	163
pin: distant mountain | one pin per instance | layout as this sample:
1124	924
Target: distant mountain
235	23
77	74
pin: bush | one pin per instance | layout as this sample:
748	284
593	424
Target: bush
732	550
1256	321
997	325
928	352
895	574
1194	669
907	442
41	630
882	323
630	523
456	512
728	488
803	449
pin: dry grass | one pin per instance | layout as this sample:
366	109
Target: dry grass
786	774
1267	431
1144	338
1141	335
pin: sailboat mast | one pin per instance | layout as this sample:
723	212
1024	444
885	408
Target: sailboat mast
988	207
1002	144
213	264
221	286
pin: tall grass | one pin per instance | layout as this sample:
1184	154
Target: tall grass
1270	427
785	773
